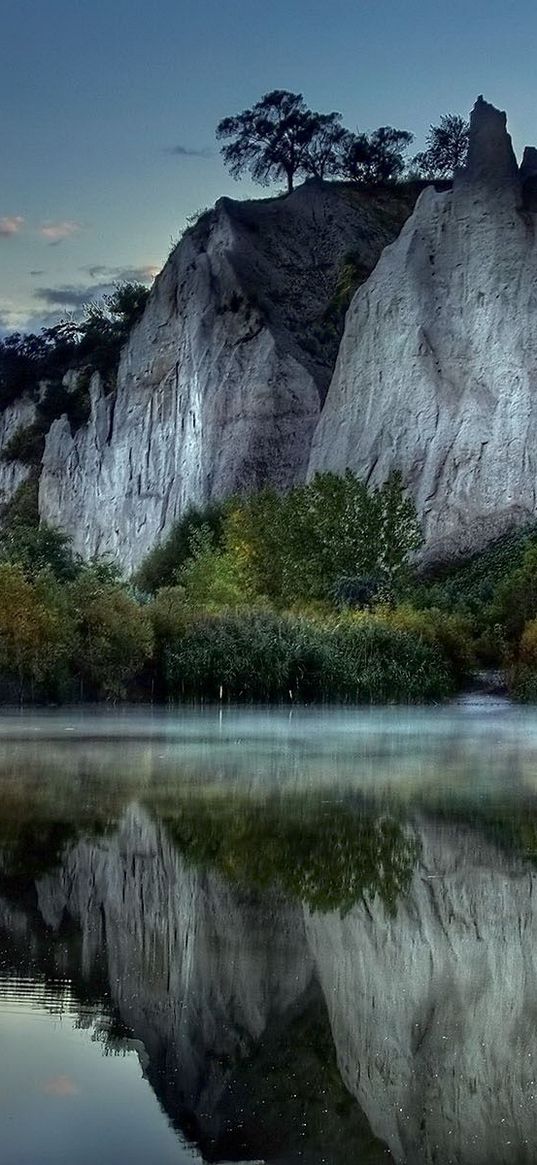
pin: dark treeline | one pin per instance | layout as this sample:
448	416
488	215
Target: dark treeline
280	138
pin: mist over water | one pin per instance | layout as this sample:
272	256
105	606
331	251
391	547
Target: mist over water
269	935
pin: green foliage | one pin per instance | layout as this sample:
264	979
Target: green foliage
450	633
35	631
26	445
114	638
37	548
22	507
468	586
262	656
211	579
299	545
514	601
162	565
94	342
327	857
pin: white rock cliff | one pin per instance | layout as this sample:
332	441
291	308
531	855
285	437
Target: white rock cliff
221	383
437	370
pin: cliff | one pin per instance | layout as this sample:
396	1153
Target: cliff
14	417
221	383
428	1007
437	370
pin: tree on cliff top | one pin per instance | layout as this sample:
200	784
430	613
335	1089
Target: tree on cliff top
446	148
376	158
279	137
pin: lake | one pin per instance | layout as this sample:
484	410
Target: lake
269	936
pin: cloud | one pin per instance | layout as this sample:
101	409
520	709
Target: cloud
144	274
70	295
56	232
34	273
188	152
10	225
74	296
59	1086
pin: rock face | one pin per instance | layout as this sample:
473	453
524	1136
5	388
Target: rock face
437	370
12	473
430	1008
221	384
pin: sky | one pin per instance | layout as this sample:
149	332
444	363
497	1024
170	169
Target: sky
109	107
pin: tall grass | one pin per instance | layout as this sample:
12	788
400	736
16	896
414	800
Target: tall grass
262	656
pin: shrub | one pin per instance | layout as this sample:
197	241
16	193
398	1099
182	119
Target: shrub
35	632
37	548
26	445
515	598
452	634
114	635
262	656
162	565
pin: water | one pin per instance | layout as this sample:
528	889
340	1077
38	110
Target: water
262	936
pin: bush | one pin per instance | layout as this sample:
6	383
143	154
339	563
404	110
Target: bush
162	565
26	445
261	656
515	599
37	548
452	634
114	636
35	633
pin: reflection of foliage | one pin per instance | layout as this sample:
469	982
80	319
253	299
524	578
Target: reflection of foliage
328	857
29	850
291	1099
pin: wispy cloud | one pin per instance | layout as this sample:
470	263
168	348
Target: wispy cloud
56	232
10	225
144	274
188	152
36	273
70	295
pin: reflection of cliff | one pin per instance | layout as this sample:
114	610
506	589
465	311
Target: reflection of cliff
432	1007
217	984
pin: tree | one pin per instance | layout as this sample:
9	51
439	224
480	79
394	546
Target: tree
324	157
34	628
298	546
375	159
446	148
37	548
114	636
279	137
161	567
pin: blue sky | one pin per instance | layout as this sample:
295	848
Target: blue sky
95	94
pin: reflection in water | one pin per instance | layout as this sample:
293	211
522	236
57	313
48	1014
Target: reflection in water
320	944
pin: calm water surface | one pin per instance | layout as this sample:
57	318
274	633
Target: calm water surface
248	936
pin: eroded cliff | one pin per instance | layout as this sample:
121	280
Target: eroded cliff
221	383
437	370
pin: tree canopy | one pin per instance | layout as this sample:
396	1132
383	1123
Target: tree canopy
446	148
280	137
95	340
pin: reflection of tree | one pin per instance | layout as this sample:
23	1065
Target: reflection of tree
327	856
28	850
291	1099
